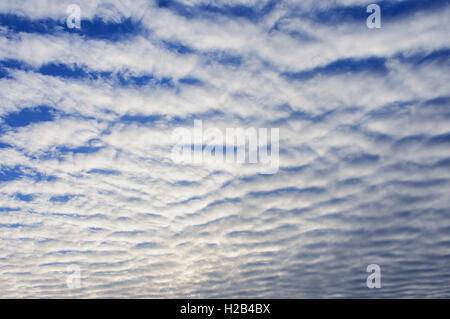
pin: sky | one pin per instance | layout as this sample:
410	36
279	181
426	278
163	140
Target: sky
87	181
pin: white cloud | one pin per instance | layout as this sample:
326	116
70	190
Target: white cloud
140	226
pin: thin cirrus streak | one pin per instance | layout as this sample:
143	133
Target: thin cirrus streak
85	139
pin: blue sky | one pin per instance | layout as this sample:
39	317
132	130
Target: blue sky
86	117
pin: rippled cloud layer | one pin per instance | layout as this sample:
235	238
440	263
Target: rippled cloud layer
86	177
